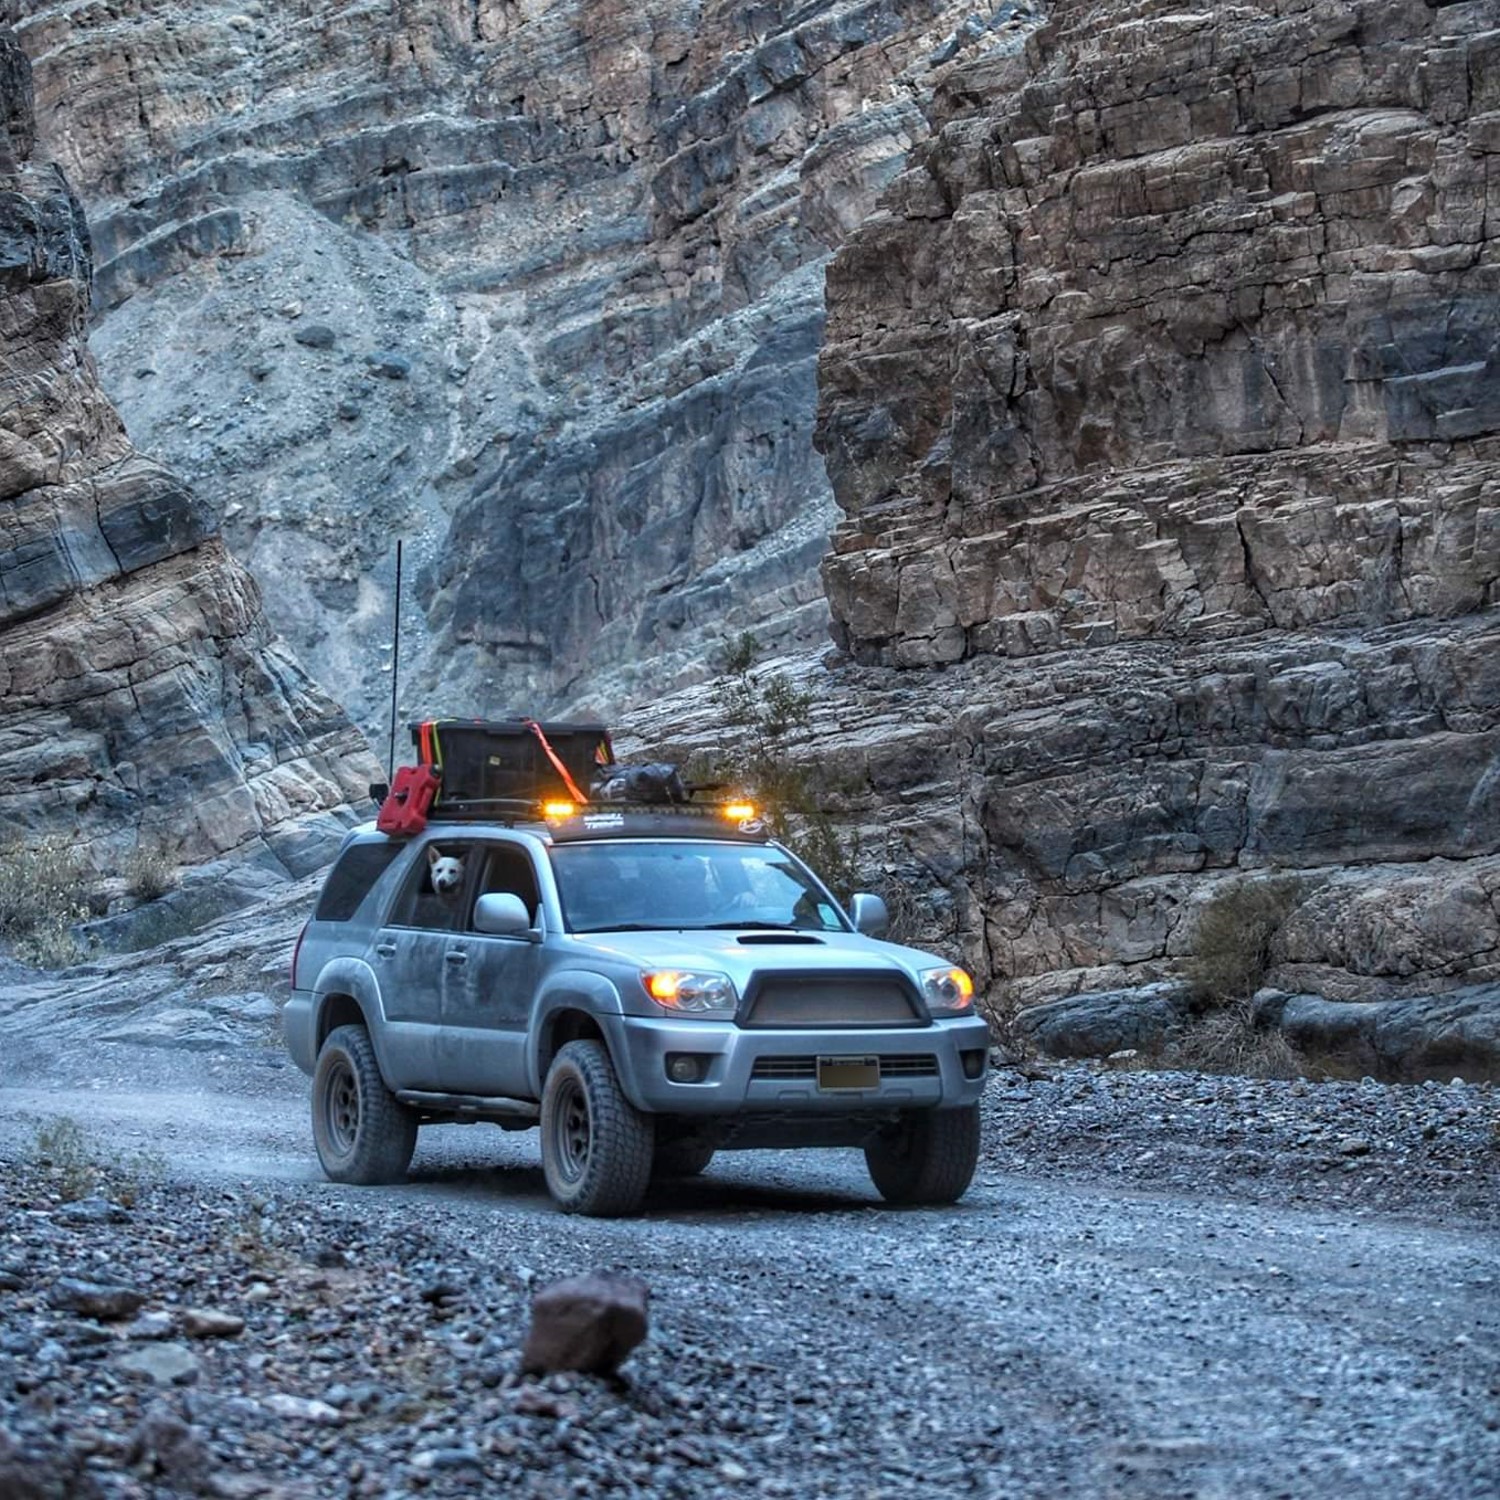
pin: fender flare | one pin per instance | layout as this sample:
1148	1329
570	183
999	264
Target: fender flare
355	978
575	989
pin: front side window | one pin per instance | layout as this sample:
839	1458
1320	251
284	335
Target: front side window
642	885
508	870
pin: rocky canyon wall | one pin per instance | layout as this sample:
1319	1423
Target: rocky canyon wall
146	702
1161	398
537	286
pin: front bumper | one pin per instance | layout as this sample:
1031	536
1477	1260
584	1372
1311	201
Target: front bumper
764	1071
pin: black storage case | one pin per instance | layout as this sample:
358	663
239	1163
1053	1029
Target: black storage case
489	767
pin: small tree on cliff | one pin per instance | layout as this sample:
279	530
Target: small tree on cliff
771	719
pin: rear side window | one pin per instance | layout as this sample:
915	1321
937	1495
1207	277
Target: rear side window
349	882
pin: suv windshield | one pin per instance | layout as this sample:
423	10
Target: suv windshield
635	885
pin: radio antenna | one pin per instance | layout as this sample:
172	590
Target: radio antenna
395	662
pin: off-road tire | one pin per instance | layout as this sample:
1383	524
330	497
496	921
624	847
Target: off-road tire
681	1159
363	1133
929	1157
596	1145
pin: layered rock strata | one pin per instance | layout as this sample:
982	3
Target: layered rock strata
1162	401
146	701
538	288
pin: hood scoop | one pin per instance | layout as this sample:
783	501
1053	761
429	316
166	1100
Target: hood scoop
779	939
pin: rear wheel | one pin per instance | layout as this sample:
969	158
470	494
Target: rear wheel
596	1145
363	1133
681	1159
928	1157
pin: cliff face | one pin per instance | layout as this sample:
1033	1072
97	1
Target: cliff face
538	287
145	698
1162	401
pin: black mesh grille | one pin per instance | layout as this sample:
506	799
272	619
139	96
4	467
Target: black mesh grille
785	1067
791	1069
919	1065
790	1000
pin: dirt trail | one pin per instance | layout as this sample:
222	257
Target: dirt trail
1048	1335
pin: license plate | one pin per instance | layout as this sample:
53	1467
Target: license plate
848	1073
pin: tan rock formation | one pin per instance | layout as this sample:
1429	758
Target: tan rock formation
1162	400
145	698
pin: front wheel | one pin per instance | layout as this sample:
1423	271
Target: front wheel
596	1145
928	1157
363	1133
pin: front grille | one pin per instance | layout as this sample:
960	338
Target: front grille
785	1067
895	1065
917	1065
822	999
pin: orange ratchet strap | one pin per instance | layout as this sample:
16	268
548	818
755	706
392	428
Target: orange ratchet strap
557	764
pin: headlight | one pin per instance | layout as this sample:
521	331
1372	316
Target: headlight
691	993
948	992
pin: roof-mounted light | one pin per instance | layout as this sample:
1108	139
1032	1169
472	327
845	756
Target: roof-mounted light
739	812
559	812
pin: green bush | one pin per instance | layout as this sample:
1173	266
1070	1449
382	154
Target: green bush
1231	950
44	888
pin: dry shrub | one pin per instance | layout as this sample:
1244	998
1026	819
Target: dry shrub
150	874
78	1169
1231	950
1227	1040
44	888
769	720
63	1149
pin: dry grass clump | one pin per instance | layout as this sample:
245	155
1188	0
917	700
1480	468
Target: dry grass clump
150	874
62	1147
43	892
1227	1040
78	1169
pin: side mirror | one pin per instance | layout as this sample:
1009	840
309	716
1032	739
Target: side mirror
870	915
502	914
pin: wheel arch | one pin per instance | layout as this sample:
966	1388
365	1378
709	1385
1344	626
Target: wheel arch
573	1008
347	995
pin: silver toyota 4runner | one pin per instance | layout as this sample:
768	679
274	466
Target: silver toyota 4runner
647	986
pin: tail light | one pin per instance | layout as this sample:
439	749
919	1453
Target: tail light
297	952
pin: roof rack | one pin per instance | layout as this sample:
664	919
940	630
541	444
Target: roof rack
525	771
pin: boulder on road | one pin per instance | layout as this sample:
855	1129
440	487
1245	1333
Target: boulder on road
588	1323
94	1299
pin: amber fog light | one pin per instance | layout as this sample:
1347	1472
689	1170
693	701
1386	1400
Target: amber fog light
973	1062
686	1067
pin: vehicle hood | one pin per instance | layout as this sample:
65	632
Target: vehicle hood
766	952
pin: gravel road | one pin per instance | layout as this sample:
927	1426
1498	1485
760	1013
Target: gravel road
1160	1284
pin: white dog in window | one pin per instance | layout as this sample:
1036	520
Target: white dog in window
445	870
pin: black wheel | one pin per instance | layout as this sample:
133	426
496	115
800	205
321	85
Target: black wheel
681	1159
362	1131
596	1145
929	1157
